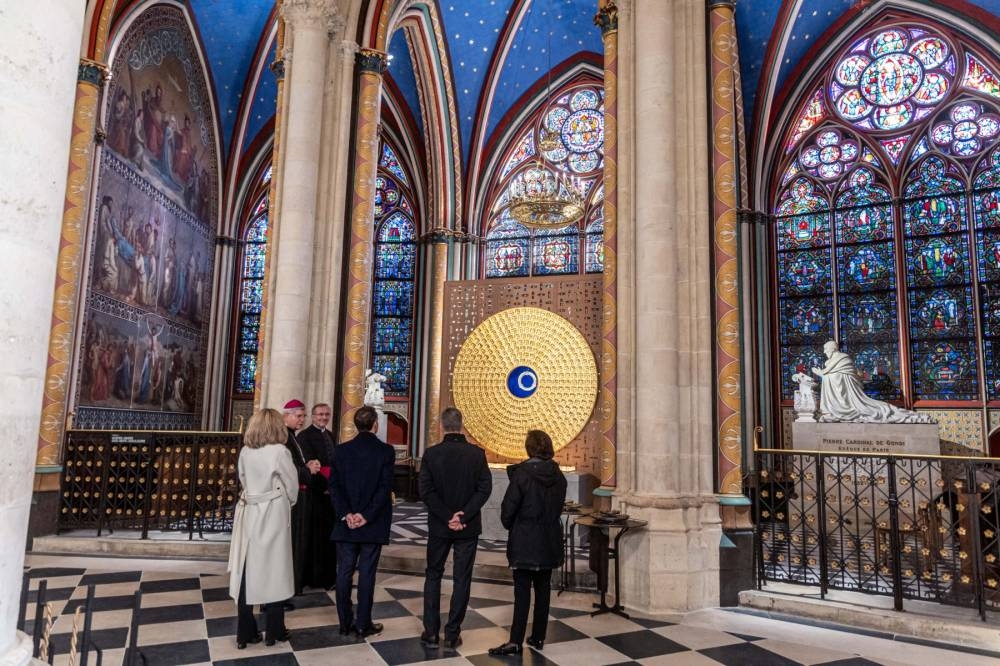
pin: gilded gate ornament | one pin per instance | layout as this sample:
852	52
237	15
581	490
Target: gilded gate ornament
523	369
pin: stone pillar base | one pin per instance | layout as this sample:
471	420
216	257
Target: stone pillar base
19	653
671	565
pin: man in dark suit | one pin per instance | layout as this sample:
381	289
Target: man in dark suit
317	444
360	487
455	482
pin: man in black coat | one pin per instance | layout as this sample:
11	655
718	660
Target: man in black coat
455	483
361	489
317	444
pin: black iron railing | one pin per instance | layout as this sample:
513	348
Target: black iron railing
909	527
151	480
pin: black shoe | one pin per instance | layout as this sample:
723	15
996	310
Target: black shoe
535	643
348	630
373	629
241	645
452	643
282	637
505	649
428	640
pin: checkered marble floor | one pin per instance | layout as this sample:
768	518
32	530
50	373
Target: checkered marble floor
409	528
187	618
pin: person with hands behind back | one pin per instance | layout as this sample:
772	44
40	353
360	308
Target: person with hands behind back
455	482
360	489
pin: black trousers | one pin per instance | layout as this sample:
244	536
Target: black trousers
321	563
363	558
437	554
524	579
301	538
246	625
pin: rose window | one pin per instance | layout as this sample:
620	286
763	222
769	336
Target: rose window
892	79
577	119
967	130
829	156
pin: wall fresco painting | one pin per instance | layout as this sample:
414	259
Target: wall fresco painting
143	351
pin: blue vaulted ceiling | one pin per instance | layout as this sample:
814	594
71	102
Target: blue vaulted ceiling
401	71
472	33
568	25
758	22
230	32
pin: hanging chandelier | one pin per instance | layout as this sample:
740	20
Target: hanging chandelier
544	198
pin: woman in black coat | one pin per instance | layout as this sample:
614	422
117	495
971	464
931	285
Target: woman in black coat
531	512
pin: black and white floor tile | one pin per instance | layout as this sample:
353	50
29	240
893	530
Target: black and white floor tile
409	528
186	617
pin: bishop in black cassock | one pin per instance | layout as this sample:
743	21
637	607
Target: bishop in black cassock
295	417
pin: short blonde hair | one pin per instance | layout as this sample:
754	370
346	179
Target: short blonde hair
267	426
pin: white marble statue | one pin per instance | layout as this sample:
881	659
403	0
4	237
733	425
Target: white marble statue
805	397
842	398
374	395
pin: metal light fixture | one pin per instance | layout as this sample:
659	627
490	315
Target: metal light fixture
542	197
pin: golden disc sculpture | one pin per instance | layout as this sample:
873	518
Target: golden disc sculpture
524	369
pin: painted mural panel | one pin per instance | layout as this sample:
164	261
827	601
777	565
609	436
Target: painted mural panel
142	357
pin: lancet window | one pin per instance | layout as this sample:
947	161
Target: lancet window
887	218
395	275
251	289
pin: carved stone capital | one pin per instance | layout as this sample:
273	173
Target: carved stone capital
311	15
348	47
607	17
370	60
93	72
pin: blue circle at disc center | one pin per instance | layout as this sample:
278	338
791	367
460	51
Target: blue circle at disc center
522	382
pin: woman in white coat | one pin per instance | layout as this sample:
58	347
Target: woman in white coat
260	553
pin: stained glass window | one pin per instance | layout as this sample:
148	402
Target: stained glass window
805	296
595	242
390	163
892	79
394	275
525	148
568	135
251	294
887	205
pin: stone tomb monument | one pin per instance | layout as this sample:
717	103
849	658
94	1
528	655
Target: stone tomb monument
849	421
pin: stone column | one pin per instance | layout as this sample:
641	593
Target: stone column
673	564
274	204
370	67
91	76
725	194
41	61
437	273
607	20
307	35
